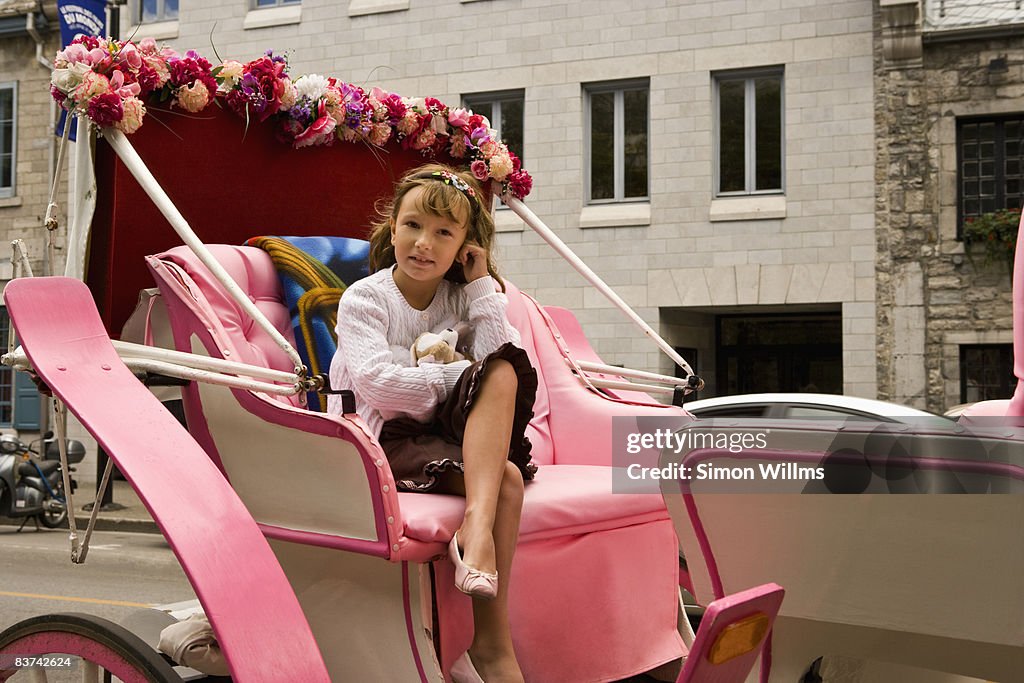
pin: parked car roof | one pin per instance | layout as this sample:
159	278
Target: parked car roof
802	405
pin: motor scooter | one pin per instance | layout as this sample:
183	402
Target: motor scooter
32	487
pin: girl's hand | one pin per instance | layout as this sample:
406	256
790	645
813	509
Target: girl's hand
473	258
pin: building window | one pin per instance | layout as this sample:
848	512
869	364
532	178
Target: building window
990	157
152	11
779	352
8	138
986	372
617	154
6	375
748	132
505	112
261	4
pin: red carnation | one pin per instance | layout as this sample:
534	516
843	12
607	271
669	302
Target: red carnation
56	94
396	108
519	184
475	121
90	42
105	110
149	80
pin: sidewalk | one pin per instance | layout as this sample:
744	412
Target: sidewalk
133	516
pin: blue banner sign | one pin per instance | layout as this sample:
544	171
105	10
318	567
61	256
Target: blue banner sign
79	18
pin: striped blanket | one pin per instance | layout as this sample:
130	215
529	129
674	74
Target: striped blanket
314	271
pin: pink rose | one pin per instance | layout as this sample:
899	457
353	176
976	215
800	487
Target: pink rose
130	56
193	98
117	85
74	53
479	169
458	117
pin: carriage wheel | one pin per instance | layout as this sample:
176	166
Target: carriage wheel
98	644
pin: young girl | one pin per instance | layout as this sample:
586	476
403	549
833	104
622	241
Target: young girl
456	428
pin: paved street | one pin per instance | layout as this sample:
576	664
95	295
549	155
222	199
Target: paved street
123	571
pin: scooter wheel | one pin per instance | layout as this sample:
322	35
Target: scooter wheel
54	519
100	645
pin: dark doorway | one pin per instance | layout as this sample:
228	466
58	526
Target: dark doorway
780	352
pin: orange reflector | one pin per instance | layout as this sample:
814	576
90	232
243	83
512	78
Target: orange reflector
738	638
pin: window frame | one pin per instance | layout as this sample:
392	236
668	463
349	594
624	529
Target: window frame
748	76
618	87
161	13
254	4
1004	349
999	160
494	99
7	192
6	375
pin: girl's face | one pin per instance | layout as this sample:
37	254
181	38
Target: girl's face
426	244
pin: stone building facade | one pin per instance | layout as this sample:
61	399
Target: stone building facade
755	284
945	321
844	276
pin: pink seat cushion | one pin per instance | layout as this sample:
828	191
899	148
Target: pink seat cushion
563	500
254	272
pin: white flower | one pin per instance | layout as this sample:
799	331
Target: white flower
68	79
312	86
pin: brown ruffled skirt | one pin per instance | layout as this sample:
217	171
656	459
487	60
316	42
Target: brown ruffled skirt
419	452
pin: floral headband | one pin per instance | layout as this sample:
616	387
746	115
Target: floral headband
449	178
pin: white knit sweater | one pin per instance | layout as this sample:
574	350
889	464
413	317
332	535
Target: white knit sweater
376	328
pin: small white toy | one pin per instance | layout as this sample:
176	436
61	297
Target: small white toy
434	347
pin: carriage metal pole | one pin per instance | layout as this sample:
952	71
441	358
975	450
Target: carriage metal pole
137	167
538	226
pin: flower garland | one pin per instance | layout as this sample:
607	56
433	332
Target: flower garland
109	80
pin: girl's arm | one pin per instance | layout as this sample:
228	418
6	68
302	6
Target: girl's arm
374	376
491	327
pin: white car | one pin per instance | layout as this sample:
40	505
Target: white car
797	406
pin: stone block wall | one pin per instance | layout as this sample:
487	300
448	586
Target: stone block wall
931	296
21	216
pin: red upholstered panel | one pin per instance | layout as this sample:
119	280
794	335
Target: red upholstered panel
230	184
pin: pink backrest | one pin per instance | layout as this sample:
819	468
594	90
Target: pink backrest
242	339
731	636
576	421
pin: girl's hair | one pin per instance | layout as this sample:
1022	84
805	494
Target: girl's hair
440	197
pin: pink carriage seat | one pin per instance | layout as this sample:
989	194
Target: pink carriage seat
578	538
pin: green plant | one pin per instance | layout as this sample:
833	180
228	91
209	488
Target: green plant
996	231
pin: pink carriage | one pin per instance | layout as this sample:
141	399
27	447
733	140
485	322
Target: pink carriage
345	585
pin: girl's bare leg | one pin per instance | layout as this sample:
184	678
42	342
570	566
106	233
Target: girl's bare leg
493	488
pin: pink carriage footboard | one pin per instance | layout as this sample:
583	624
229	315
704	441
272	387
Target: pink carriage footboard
253	610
